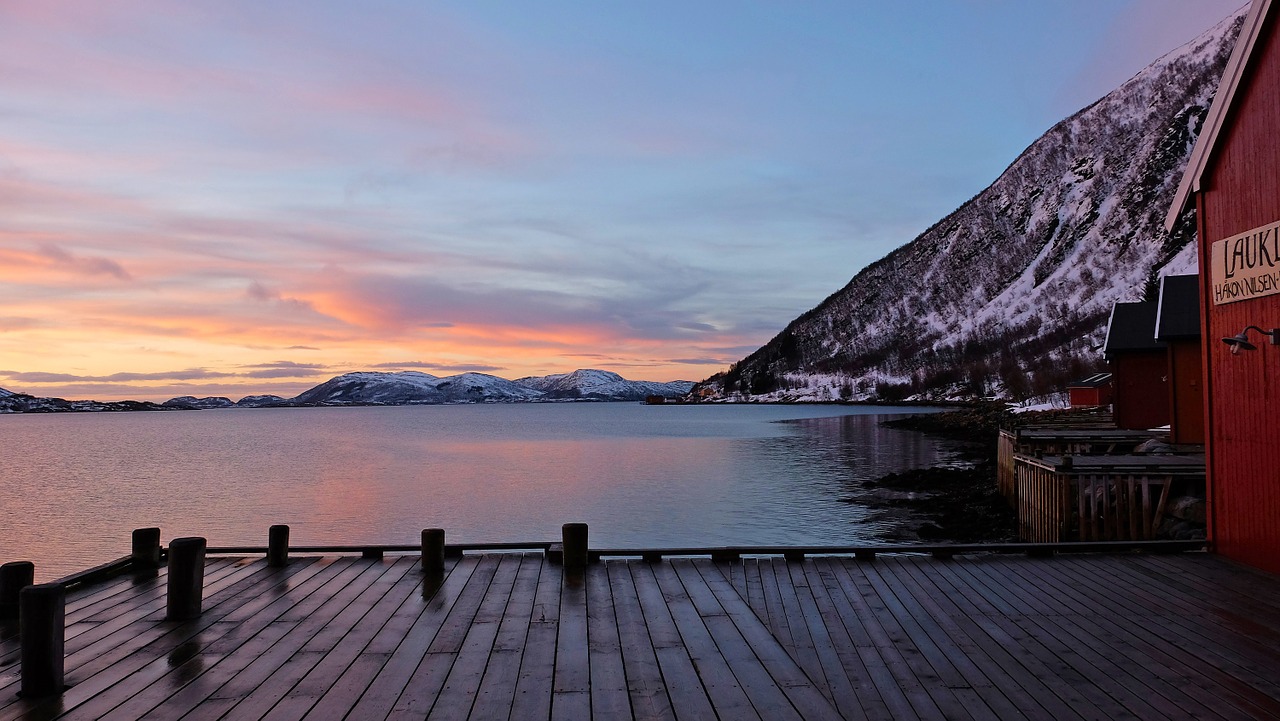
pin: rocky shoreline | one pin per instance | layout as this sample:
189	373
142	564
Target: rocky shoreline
951	504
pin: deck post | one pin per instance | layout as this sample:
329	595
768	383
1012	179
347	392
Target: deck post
278	546
146	547
43	631
575	545
14	576
432	549
186	579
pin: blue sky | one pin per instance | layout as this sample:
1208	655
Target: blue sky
240	197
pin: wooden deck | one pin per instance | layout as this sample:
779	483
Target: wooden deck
502	636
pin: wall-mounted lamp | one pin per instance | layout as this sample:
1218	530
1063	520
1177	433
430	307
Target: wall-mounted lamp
1240	341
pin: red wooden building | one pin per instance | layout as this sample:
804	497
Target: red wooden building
1139	367
1094	390
1233	181
1178	327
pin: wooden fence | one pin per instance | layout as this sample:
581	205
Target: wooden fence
1120	508
1043	498
1057	502
1006	481
1042	441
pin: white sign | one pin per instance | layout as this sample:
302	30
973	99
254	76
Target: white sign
1246	266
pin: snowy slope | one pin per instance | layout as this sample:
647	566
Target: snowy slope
413	387
260	401
22	403
199	403
1010	293
593	384
4	393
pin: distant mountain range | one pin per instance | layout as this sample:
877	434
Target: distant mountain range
597	385
11	402
1009	294
393	389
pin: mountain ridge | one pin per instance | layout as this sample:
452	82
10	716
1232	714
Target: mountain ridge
393	388
1009	293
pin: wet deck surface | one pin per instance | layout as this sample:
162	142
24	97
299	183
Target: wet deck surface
509	636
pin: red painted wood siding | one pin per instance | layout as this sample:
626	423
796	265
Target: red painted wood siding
1186	392
1099	396
1141	389
1242	191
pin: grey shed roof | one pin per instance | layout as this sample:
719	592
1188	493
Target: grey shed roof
1178	314
1097	380
1132	328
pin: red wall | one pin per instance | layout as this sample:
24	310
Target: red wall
1186	392
1241	191
1097	396
1141	390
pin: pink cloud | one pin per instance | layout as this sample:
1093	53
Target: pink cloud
88	265
46	259
287	83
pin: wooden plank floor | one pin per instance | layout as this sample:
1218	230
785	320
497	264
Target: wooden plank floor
511	636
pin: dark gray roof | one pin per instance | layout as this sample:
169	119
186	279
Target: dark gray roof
1097	380
1178	314
1132	328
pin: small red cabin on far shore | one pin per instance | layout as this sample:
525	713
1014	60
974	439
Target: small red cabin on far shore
1094	390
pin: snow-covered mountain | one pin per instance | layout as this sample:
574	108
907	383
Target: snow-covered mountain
592	384
392	389
1010	293
413	387
260	401
199	403
23	403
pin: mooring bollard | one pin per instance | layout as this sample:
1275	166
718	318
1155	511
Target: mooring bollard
432	549
43	631
146	547
574	536
278	546
14	576
186	578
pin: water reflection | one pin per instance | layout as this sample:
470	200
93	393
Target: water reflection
640	476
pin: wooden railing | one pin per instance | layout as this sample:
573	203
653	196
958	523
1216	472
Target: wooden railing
1006	480
1057	440
1044	503
1120	507
1057	501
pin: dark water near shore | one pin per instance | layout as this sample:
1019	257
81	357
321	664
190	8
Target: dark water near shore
73	486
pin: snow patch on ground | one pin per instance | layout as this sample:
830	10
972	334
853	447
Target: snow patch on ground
1054	402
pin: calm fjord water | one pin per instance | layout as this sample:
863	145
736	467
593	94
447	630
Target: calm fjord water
73	486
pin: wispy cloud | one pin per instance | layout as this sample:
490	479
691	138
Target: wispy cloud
284	369
83	264
529	192
443	367
189	374
12	323
700	361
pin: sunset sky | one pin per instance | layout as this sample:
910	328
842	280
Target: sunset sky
233	197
